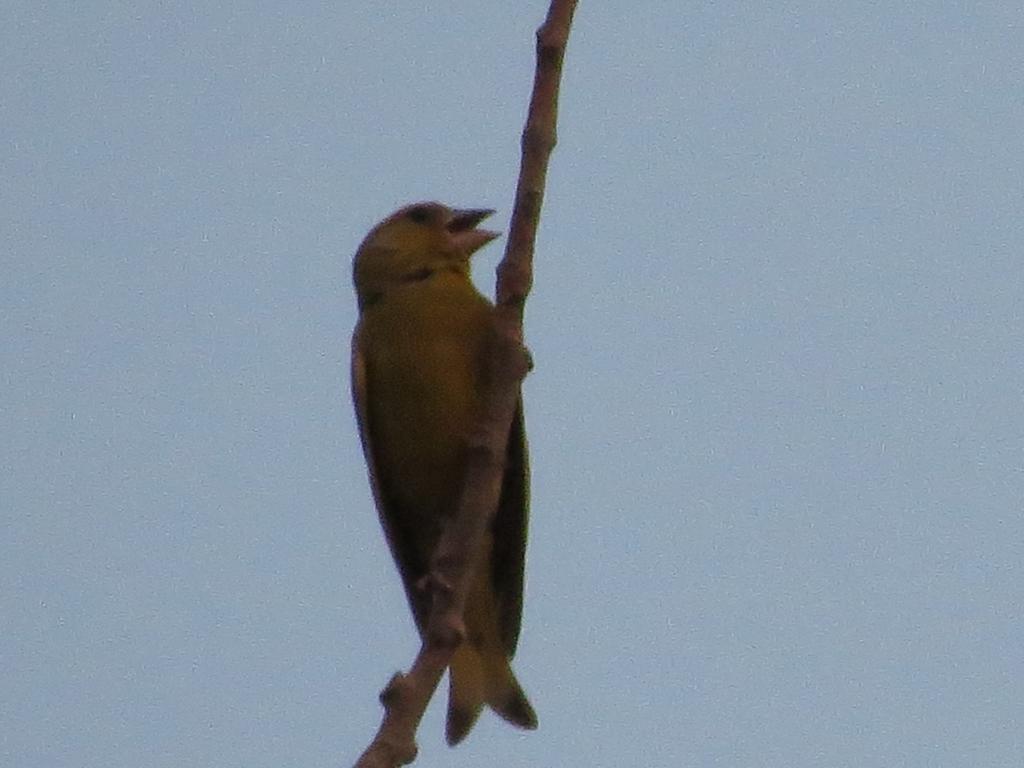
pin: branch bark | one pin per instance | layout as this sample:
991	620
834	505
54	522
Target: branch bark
406	696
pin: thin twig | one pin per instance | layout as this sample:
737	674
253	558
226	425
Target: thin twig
406	697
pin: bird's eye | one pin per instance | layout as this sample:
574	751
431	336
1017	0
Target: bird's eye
419	213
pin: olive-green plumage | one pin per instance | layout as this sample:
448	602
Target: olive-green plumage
417	376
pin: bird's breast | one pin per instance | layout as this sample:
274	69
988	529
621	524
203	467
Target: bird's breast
424	359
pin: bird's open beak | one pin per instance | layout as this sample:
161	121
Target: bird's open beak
464	234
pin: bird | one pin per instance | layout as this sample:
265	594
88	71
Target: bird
418	370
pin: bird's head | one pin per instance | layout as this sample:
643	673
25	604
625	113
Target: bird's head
415	241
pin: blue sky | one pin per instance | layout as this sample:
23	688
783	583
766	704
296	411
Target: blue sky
776	421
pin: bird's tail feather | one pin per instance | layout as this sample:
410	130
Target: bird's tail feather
478	676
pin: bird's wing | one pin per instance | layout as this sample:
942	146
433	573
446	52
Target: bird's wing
510	522
400	538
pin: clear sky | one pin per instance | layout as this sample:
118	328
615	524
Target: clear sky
776	421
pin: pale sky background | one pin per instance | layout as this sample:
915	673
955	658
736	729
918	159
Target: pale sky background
777	418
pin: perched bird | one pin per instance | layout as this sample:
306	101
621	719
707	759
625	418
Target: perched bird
417	373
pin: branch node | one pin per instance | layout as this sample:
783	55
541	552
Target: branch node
393	690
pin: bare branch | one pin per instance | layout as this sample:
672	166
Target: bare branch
406	697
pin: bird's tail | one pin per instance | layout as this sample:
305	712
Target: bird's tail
482	675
